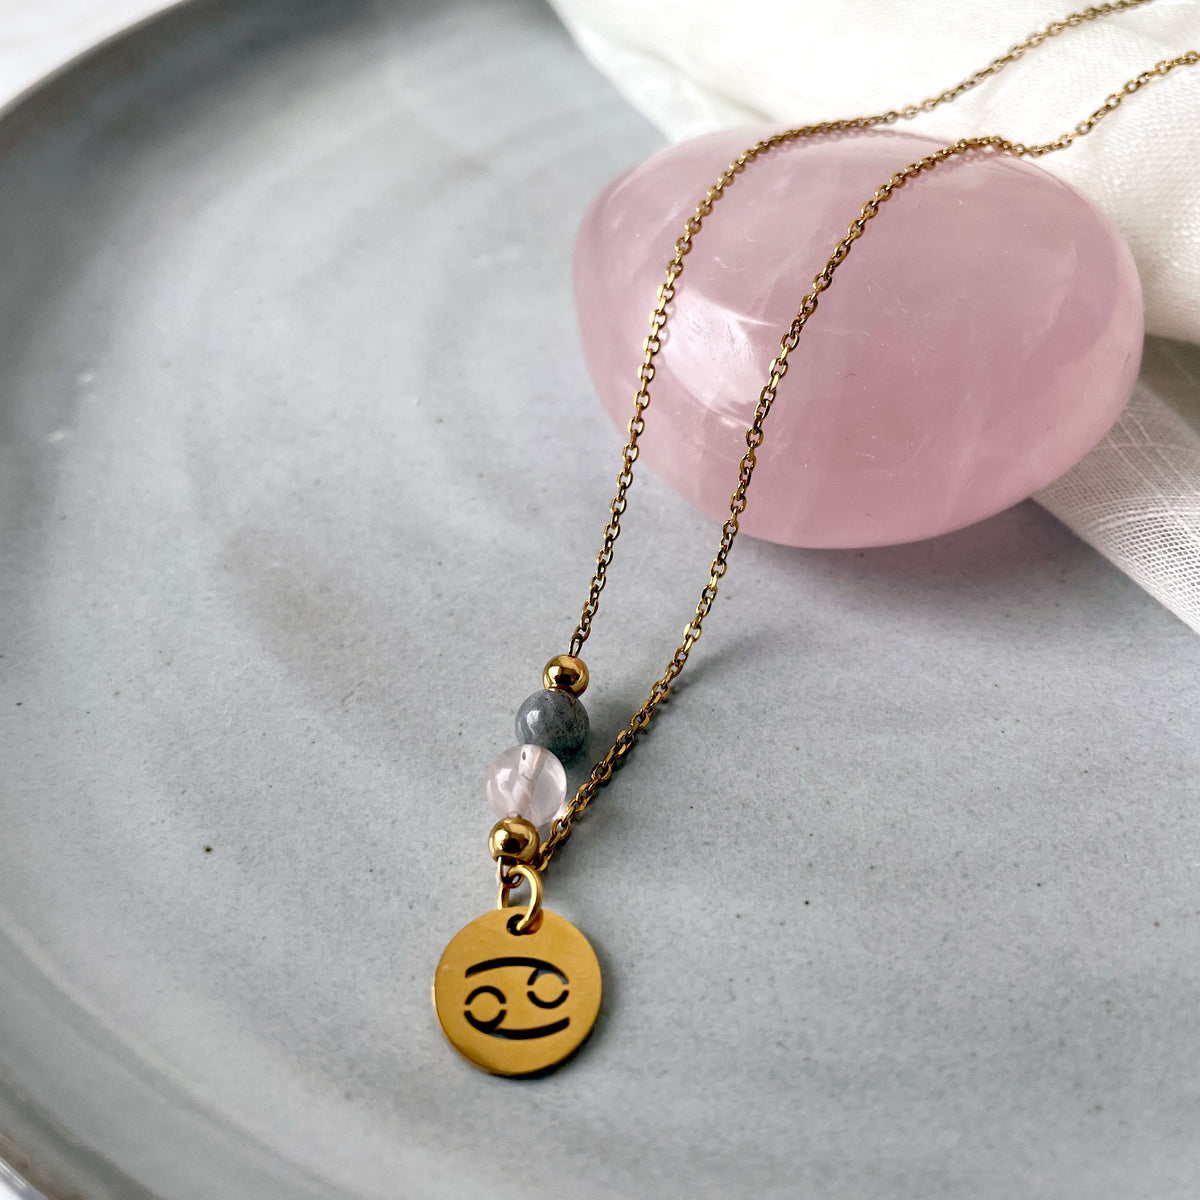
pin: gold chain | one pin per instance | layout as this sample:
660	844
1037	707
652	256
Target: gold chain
658	318
602	772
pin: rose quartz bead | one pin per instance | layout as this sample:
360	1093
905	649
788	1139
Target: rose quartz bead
980	338
526	781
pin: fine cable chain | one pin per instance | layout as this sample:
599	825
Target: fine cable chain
658	318
602	772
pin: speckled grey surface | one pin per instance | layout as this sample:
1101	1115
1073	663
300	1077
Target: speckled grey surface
301	478
556	719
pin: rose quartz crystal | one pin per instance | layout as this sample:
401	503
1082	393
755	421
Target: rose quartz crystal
526	781
983	334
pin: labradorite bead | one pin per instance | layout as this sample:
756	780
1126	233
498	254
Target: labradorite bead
555	719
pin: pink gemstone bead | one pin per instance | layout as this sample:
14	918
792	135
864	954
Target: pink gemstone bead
980	338
526	781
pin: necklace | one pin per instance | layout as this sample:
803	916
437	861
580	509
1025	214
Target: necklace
518	989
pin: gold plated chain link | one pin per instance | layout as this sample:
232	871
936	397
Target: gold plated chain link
666	292
602	772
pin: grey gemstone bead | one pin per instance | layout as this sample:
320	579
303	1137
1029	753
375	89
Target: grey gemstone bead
554	719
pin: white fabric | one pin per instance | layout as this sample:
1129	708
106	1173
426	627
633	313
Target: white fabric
696	65
37	37
1136	497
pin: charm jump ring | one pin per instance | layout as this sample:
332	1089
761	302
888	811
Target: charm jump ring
532	915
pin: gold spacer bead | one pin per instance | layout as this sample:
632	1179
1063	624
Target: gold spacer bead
567	672
514	837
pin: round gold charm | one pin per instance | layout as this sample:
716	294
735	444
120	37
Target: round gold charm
517	1003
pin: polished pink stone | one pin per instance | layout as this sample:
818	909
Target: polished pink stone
526	781
983	334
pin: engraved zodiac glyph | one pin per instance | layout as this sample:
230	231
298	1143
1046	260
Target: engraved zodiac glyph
486	993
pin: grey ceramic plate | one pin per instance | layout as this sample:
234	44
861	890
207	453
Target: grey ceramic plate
301	481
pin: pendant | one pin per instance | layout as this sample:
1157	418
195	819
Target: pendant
517	990
516	1002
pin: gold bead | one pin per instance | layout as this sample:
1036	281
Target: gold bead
567	672
514	837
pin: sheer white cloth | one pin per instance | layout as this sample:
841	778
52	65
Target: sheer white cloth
696	65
